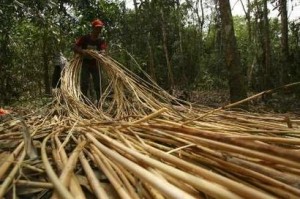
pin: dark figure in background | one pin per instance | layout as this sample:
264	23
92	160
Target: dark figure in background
59	63
90	66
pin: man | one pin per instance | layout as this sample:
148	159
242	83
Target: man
90	66
59	63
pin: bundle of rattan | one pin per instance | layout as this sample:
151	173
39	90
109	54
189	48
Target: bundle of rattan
143	143
125	95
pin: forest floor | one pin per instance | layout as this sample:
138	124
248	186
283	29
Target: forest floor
278	102
287	104
283	102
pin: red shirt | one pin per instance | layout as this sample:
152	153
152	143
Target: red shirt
86	42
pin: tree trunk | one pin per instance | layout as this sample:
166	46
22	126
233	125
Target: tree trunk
200	18
258	31
284	41
248	19
4	63
179	27
151	58
232	56
135	6
250	49
46	64
165	46
266	48
218	28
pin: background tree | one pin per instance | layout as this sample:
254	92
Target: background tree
284	40
235	76
190	34
266	48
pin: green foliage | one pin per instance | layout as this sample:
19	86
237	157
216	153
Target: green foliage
32	31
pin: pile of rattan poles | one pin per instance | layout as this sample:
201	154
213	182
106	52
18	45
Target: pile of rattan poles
140	142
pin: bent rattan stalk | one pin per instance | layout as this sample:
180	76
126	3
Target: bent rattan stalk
166	188
69	166
209	137
199	183
26	183
62	191
10	177
112	178
94	182
74	185
5	166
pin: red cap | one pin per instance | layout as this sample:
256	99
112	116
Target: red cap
97	23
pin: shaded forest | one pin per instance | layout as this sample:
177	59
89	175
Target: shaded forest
183	45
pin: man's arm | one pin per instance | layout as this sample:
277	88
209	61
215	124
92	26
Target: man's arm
103	47
79	50
78	46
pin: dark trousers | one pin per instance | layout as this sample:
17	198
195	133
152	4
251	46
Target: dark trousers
56	77
86	71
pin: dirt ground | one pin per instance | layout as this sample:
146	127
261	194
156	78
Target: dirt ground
277	103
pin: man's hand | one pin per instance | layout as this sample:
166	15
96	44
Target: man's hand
84	53
80	51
